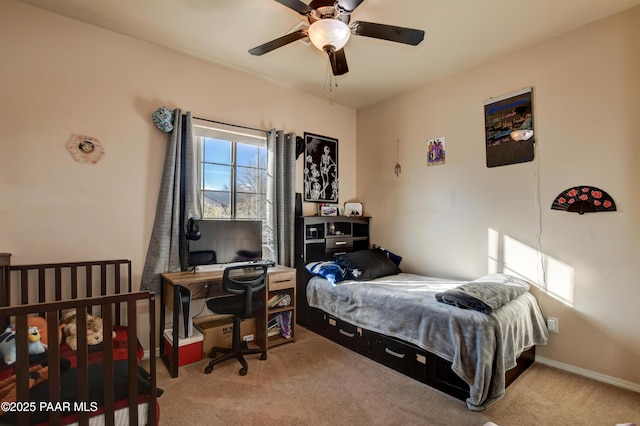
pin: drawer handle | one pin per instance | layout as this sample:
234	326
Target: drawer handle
396	354
340	243
346	333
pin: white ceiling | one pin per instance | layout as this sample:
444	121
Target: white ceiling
459	35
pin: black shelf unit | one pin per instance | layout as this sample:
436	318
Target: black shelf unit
323	238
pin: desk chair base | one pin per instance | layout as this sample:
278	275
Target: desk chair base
237	351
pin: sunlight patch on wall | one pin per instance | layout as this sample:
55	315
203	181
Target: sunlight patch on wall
511	256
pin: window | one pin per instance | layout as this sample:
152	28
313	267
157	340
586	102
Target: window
233	174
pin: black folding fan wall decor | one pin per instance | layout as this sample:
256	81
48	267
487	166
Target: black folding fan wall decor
584	199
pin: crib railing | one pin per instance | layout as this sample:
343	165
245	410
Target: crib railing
63	281
50	311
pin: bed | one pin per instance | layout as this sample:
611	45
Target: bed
99	383
425	327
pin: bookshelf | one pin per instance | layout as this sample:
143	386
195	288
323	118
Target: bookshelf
279	315
321	238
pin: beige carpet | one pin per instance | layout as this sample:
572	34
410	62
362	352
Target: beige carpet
317	382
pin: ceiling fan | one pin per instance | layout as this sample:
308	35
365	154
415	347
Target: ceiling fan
330	29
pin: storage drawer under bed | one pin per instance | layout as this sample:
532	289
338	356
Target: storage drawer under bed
401	356
341	332
441	376
417	363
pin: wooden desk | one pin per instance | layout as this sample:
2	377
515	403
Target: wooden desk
209	284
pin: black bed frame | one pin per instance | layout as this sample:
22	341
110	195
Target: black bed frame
315	242
402	356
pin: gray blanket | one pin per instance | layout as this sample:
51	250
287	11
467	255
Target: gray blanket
485	294
481	347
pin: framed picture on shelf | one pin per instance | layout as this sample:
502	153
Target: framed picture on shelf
328	210
353	209
320	169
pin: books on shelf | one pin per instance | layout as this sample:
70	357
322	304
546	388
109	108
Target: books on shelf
273	322
279	299
280	324
274	332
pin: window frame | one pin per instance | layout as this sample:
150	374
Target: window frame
235	137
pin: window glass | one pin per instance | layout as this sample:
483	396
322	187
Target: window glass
216	151
233	174
216	177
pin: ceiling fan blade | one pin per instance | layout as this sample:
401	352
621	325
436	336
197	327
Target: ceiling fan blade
338	62
349	5
296	5
387	32
279	42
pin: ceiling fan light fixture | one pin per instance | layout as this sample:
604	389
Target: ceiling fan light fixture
329	32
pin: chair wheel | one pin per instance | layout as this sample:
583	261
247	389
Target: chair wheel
243	371
263	356
208	369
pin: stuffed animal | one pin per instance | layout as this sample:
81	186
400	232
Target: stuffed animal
8	343
37	374
70	331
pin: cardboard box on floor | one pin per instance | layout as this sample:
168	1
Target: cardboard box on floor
217	330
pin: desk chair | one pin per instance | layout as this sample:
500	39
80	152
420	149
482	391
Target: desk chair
242	282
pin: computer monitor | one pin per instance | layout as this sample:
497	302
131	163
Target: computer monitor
226	241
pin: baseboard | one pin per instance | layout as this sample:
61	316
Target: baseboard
590	374
145	355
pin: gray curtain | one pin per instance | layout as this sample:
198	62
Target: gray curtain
281	174
178	201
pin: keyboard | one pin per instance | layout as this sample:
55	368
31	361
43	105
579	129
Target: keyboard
223	266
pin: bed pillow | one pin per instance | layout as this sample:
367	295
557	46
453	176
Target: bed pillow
392	256
365	265
328	270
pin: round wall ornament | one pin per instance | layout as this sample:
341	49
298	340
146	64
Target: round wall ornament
85	149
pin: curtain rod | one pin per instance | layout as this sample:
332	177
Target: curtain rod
232	125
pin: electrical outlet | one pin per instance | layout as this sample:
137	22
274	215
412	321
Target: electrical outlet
552	324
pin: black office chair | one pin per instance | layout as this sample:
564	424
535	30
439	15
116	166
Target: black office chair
242	282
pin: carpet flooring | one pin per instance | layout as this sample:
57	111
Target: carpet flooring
317	382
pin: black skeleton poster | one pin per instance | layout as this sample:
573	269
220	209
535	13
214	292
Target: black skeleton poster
320	169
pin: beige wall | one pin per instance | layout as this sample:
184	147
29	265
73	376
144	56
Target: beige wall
456	219
60	77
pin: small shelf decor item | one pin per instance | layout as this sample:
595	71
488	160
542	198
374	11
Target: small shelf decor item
328	210
320	169
353	209
584	199
85	149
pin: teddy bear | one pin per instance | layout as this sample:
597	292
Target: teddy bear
69	329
